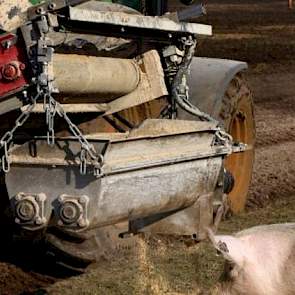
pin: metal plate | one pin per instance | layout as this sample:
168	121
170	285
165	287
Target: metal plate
138	21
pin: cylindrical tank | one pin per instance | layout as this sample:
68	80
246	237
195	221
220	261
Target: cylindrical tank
103	77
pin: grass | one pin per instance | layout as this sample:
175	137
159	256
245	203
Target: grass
158	267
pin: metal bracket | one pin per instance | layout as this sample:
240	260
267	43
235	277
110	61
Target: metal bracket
50	6
72	211
43	8
30	210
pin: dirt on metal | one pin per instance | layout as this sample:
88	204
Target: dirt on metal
259	32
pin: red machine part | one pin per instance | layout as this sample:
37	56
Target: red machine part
12	66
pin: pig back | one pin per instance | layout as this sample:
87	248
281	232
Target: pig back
288	228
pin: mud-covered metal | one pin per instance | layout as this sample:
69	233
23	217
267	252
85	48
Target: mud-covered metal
168	164
99	108
163	169
30	209
45	7
151	86
128	22
191	223
102	77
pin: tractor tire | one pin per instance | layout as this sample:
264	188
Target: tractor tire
234	110
73	253
237	115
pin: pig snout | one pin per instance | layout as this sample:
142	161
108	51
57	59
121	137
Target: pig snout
258	261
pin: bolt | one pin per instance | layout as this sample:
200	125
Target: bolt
10	72
41	197
39	10
83	199
25	210
17	220
6	44
25	94
22	66
82	223
61	199
70	212
18	197
60	223
51	6
39	221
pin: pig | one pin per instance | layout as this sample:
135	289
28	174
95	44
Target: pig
258	261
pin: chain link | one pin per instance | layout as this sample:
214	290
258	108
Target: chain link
5	159
224	138
44	88
51	108
7	138
50	112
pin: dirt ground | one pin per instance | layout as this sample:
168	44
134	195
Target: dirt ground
263	34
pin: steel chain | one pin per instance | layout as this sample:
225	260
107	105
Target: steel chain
50	112
224	137
7	138
52	107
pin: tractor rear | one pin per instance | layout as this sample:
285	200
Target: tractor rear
112	127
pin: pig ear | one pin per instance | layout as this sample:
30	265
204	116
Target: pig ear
230	247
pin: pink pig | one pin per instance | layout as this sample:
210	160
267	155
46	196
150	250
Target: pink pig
259	260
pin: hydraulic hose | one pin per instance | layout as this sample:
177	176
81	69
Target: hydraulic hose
180	88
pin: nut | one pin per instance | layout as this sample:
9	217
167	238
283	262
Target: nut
39	221
39	10
82	222
26	210
83	199
18	197
11	71
51	6
41	197
70	212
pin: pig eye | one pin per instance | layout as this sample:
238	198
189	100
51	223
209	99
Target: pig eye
231	269
229	272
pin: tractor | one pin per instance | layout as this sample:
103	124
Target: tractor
111	126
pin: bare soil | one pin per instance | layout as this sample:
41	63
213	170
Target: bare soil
261	33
